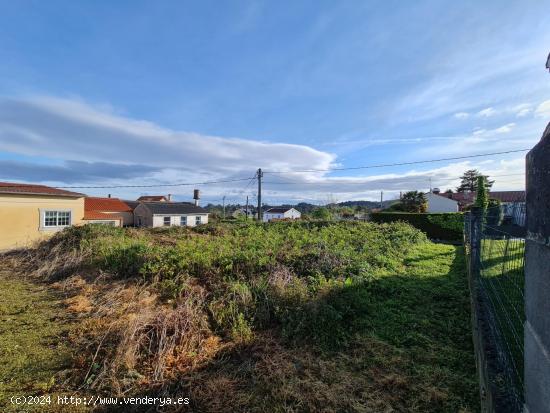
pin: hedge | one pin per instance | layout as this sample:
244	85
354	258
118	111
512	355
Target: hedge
444	226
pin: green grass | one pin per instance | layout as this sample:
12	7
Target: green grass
503	278
411	349
32	343
289	317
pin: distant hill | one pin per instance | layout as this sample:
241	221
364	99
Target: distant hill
303	207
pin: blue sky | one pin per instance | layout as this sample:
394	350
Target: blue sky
99	93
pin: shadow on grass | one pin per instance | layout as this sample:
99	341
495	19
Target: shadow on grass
399	342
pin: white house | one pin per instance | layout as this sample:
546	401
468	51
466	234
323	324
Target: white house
281	213
438	203
166	214
242	212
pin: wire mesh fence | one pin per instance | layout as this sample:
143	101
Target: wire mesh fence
496	256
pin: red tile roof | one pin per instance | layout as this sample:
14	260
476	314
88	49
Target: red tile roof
465	198
33	189
508	196
153	198
95	215
105	204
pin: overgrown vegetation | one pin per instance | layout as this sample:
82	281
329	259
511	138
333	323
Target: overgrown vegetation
258	310
444	226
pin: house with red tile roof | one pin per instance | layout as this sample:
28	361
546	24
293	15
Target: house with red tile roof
155	198
30	212
108	211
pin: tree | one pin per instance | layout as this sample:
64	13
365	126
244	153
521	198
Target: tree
482	199
468	181
414	201
322	214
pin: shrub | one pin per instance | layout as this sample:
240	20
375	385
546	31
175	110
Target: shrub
444	226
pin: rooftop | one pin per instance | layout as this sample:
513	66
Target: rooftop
153	198
33	189
279	210
106	204
168	208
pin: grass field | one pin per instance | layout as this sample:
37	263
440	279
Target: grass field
503	278
282	318
34	350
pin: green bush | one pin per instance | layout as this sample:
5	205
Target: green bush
299	277
444	226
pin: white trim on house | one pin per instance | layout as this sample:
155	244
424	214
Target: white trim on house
44	227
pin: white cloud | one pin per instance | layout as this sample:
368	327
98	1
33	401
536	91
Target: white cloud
487	112
97	146
69	129
505	129
461	115
543	110
522	110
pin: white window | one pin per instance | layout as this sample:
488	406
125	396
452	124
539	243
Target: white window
198	220
56	219
183	221
166	221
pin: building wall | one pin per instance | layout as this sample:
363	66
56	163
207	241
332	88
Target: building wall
158	220
293	214
438	203
290	214
106	221
267	216
127	217
142	216
20	217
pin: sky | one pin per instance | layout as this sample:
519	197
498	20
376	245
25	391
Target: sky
101	93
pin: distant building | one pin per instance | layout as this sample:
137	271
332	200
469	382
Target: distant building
107	211
155	198
166	214
31	212
512	203
281	213
242	212
439	203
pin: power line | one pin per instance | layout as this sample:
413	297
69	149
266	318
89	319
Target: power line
374	181
399	163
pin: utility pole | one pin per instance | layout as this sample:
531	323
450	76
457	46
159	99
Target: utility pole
223	206
260	176
381	198
246	208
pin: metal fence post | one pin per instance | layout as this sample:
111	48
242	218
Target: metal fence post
537	278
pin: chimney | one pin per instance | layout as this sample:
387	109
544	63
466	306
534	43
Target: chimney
109	195
169	197
196	196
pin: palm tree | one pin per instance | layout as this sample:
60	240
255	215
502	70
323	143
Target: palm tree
414	201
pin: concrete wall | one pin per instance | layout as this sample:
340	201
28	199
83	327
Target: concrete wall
142	216
437	203
20	217
537	278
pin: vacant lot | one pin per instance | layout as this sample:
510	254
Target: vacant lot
349	317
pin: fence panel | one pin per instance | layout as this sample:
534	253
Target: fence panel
495	254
